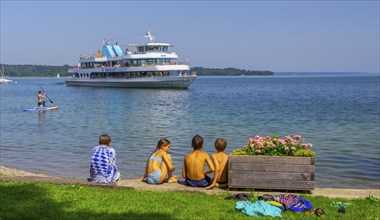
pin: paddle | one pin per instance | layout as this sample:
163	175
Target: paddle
46	95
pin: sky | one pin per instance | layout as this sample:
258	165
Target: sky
280	36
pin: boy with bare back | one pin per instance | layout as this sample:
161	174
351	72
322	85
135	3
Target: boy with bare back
220	160
194	165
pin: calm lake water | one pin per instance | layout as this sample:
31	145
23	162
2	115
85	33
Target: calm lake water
338	114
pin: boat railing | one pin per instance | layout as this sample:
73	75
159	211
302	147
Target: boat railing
134	65
164	64
86	57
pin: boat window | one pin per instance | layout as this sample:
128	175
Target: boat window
127	63
100	64
151	61
165	48
115	63
87	65
135	63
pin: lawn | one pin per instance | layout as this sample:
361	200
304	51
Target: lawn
23	200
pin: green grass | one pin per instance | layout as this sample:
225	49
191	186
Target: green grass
23	200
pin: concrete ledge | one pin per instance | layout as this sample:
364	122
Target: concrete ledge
14	175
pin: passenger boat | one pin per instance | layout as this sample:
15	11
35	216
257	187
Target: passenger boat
150	65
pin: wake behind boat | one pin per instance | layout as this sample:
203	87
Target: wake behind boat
151	65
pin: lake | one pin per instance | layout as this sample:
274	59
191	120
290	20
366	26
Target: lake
339	115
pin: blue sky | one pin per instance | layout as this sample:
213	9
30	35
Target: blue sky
281	36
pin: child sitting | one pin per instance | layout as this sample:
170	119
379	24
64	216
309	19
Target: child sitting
160	165
220	160
103	162
194	164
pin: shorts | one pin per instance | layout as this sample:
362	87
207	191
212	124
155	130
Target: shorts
198	183
154	177
41	103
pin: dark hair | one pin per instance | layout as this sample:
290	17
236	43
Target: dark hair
197	142
104	139
39	91
220	144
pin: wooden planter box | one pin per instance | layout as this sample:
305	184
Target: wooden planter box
271	172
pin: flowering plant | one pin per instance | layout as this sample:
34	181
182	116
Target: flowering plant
275	146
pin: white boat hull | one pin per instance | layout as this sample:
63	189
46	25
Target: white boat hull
3	80
175	82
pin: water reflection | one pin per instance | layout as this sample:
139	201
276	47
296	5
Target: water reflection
41	118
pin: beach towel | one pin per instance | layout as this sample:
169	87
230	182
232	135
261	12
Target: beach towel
258	208
103	165
293	202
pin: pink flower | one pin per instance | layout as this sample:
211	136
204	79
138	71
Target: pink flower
260	146
297	137
288	144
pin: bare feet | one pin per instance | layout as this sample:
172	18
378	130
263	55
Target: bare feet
173	179
210	187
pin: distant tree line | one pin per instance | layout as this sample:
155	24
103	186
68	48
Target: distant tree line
35	70
229	72
52	71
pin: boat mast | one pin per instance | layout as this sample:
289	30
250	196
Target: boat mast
149	37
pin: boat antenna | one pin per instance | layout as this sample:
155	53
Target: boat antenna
149	36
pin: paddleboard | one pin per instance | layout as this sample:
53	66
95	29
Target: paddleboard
36	109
